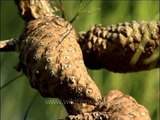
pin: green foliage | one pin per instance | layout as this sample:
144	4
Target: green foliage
143	86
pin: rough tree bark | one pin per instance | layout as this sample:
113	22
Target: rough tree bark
115	106
46	49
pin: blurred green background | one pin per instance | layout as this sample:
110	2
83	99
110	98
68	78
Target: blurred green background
143	86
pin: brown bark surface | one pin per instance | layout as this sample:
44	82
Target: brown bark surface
52	60
115	106
33	9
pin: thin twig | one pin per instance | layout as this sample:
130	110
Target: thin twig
79	11
59	3
10	81
29	106
8	45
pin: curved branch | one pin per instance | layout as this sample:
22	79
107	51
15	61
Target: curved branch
10	81
125	47
8	45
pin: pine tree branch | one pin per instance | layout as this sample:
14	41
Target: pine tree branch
8	45
125	47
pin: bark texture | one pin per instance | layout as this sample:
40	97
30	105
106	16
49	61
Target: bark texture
52	60
125	47
33	9
115	106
